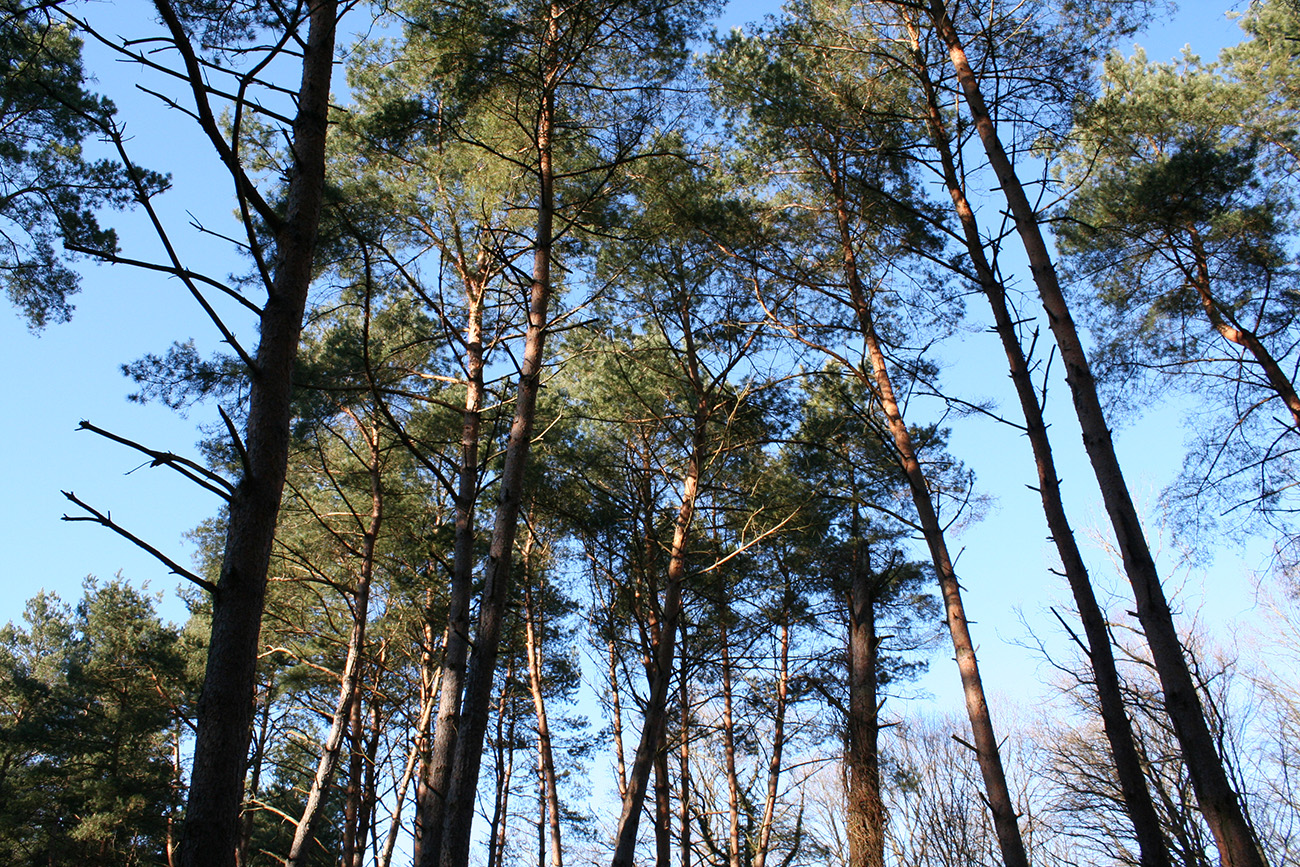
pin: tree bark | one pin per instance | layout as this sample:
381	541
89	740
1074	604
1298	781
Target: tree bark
225	705
1153	849
475	710
545	752
866	809
348	707
987	751
778	736
1220	804
1227	326
652	729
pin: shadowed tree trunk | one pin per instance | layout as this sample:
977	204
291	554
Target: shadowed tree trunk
1119	732
1219	803
225	706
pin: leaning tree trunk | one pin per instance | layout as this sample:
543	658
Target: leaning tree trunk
1153	850
987	750
226	702
476	706
656	712
1218	801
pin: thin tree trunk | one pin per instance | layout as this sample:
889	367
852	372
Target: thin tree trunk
225	707
408	773
663	821
684	755
729	742
986	747
255	776
505	749
1119	733
1232	331
461	788
778	736
545	753
352	796
1219	803
369	789
347	708
430	809
617	719
652	730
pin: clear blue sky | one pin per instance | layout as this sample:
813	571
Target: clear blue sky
72	372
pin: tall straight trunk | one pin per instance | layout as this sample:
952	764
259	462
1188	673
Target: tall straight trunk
729	741
347	709
866	810
430	808
663	821
369	796
505	750
408	774
1153	850
352	795
616	721
225	707
987	751
1220	805
778	736
656	712
475	710
545	752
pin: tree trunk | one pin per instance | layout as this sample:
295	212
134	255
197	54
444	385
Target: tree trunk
866	810
653	727
348	707
225	707
1219	803
663	821
987	751
463	783
545	753
430	809
1119	732
1222	320
778	735
729	741
684	756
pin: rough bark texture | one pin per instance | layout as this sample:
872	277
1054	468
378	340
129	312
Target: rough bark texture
1119	732
226	703
987	751
866	810
1218	802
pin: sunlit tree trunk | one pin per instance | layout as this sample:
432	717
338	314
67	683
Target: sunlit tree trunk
987	751
1119	732
1219	803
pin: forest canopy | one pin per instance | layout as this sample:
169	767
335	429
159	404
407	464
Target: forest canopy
587	403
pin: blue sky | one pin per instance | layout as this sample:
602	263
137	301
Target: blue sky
71	372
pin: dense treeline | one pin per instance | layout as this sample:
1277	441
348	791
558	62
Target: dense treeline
587	491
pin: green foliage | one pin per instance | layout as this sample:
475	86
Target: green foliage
49	190
91	702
